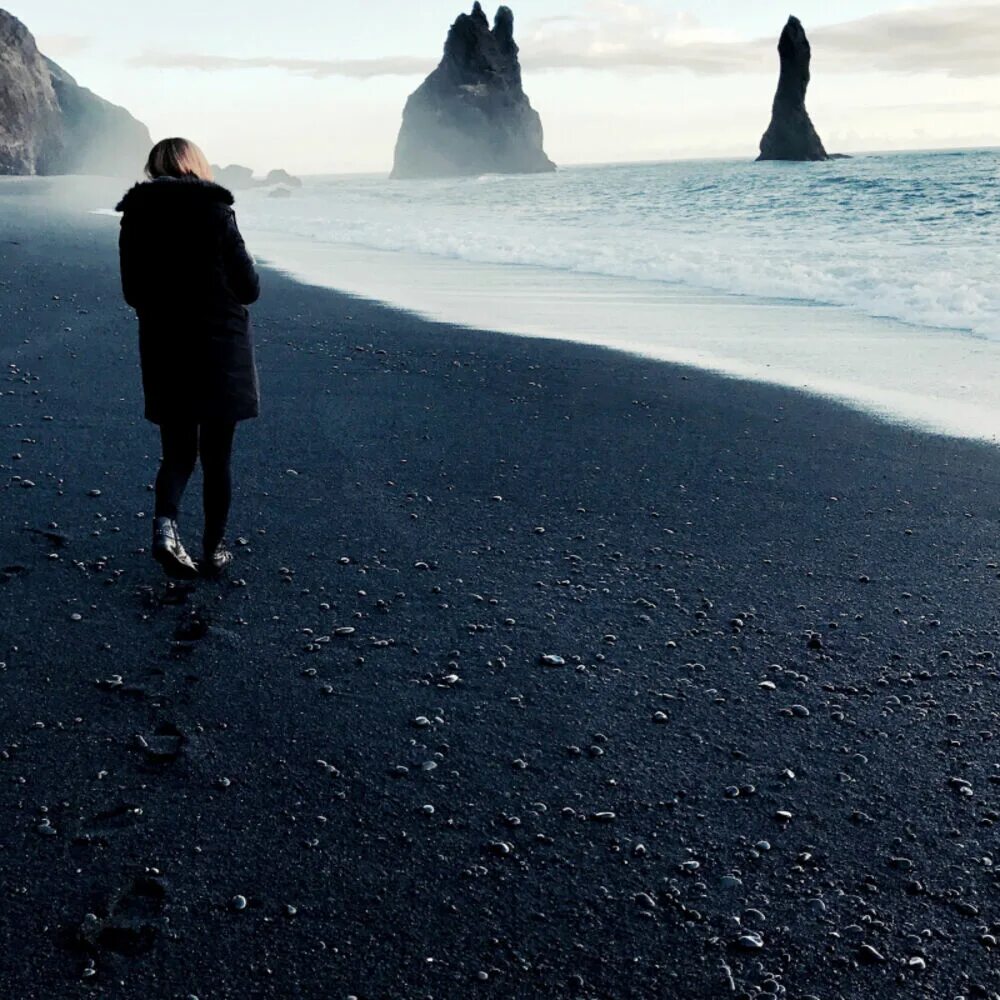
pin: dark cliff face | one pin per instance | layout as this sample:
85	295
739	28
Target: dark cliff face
49	124
791	135
30	139
471	115
98	137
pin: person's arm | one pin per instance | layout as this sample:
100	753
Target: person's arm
131	283
240	270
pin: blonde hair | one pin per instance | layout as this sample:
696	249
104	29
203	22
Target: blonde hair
178	158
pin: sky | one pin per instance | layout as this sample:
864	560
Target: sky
318	86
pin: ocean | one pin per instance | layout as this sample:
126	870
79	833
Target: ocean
873	280
911	237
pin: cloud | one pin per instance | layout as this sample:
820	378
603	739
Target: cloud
361	69
957	39
63	46
940	108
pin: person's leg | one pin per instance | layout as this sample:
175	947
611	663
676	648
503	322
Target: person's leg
180	452
216	448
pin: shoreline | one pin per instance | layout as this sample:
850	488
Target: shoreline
739	336
767	604
742	337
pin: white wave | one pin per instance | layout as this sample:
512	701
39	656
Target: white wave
910	238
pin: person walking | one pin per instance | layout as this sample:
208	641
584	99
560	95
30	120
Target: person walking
187	273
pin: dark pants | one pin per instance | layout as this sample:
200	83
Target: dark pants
182	446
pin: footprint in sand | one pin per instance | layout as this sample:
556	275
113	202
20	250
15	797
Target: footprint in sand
192	628
133	920
162	747
105	825
12	572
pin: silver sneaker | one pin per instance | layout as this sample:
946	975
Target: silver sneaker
169	552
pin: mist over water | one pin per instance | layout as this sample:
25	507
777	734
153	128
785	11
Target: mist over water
911	237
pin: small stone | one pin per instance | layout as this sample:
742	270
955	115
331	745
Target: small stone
551	660
870	955
750	942
238	902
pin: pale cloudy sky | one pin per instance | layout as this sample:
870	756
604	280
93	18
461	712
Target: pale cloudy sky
317	86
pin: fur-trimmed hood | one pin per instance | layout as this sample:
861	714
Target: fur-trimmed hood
165	191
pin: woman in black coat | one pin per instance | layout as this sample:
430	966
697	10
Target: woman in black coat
187	273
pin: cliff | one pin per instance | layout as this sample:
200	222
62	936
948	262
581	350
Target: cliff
471	115
49	124
30	139
791	135
98	137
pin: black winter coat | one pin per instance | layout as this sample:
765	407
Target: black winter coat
187	273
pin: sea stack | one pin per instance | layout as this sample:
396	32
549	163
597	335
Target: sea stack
791	135
49	124
471	115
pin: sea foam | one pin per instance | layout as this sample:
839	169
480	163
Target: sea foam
910	237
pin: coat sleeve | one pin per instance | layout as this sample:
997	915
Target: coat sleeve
240	270
131	281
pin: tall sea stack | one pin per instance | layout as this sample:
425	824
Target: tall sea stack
49	124
791	135
471	115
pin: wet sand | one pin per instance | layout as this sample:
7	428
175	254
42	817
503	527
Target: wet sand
762	761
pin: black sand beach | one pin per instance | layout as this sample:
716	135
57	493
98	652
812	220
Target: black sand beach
768	765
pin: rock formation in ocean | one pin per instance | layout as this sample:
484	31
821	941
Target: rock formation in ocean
280	176
791	135
471	115
235	176
239	178
51	125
